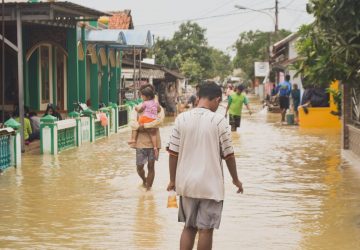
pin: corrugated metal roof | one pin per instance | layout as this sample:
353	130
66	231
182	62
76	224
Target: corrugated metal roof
173	73
284	41
121	38
138	38
54	10
106	37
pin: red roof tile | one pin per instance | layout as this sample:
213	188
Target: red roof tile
121	20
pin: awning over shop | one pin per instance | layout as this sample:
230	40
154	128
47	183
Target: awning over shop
138	39
128	73
124	39
110	37
154	71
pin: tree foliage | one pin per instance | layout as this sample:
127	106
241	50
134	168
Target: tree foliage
253	46
330	47
188	51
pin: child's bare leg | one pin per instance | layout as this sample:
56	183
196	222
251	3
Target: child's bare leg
152	133
132	141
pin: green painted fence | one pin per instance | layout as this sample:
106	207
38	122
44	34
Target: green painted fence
5	154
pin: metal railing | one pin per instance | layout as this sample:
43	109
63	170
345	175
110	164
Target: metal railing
100	131
85	129
123	115
5	154
66	138
66	134
355	106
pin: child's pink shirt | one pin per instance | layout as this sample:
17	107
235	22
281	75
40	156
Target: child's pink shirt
150	109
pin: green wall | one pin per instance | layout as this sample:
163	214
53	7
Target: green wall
82	80
54	74
72	66
94	89
82	70
113	85
105	85
32	77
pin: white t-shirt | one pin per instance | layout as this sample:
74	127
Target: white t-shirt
201	138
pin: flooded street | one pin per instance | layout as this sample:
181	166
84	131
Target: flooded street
299	194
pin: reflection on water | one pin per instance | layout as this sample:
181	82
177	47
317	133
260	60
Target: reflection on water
299	194
147	226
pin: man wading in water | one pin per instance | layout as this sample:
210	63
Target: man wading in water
145	154
198	143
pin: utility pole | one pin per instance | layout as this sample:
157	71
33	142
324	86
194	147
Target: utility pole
276	16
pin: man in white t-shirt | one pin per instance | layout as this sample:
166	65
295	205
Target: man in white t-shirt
199	141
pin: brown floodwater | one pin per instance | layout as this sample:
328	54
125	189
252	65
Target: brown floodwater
299	194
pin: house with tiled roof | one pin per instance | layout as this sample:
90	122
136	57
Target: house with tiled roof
121	20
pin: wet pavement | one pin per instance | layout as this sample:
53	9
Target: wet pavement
299	194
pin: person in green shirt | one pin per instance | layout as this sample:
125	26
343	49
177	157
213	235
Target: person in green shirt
234	107
27	127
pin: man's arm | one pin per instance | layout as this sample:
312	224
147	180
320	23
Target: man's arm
246	102
290	88
173	149
231	164
228	106
227	152
248	107
173	159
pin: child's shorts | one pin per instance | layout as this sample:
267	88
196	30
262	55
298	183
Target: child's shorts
144	119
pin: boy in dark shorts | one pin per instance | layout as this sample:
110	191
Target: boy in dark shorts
235	104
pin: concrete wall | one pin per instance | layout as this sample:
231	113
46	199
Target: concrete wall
354	139
350	133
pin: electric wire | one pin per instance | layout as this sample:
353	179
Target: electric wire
193	19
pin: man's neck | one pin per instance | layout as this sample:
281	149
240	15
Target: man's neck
204	103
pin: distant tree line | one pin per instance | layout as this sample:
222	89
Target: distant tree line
254	46
188	51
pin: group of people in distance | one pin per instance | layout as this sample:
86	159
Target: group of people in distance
284	91
32	121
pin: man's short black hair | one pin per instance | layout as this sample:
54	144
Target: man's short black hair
240	87
210	90
287	78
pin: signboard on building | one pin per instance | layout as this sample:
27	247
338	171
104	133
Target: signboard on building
262	69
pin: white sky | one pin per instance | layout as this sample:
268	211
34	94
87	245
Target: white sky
222	32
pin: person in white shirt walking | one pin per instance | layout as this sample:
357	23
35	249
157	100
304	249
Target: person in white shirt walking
199	141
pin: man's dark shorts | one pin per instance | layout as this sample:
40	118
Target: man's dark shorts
144	155
234	121
284	102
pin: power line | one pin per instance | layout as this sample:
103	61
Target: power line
194	19
226	3
289	4
217	8
296	10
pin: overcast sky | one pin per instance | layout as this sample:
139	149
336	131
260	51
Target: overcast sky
163	17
